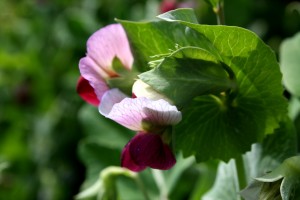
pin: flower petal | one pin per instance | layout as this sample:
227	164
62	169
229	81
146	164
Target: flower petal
131	113
91	72
167	5
109	99
106	44
162	113
86	92
142	89
147	149
127	162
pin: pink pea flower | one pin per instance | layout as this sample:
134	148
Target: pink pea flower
149	147
103	47
168	5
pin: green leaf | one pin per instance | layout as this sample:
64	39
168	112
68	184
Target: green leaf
186	73
225	125
294	107
289	172
263	157
184	14
210	129
290	64
225	187
213	3
273	151
267	156
101	130
151	40
257	108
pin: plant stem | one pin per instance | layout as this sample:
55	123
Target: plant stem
161	184
142	187
241	173
219	10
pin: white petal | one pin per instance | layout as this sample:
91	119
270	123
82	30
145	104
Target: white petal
109	99
142	89
131	113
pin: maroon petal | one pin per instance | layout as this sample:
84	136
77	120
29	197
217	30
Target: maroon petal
168	5
127	162
86	92
147	149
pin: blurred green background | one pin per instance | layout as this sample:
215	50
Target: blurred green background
46	130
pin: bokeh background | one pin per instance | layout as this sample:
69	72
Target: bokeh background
49	138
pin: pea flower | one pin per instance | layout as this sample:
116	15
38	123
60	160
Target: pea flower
103	47
151	119
168	5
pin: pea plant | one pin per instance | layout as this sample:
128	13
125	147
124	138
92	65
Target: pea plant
189	111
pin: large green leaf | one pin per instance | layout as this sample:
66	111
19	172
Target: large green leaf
210	131
151	40
290	64
186	73
221	126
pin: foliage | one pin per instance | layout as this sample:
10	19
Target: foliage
52	146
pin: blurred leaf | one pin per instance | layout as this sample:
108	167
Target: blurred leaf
92	191
213	3
102	130
105	188
103	144
226	186
290	67
208	173
294	107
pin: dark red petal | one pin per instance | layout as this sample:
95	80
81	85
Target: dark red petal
86	92
147	149
127	162
168	5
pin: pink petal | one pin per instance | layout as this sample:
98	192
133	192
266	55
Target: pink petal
109	99
131	113
161	112
127	162
147	149
91	72
168	5
106	44
86	92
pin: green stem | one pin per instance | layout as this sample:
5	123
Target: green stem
161	184
233	92
142	187
241	172
219	10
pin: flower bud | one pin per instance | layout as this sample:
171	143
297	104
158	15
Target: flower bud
142	89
